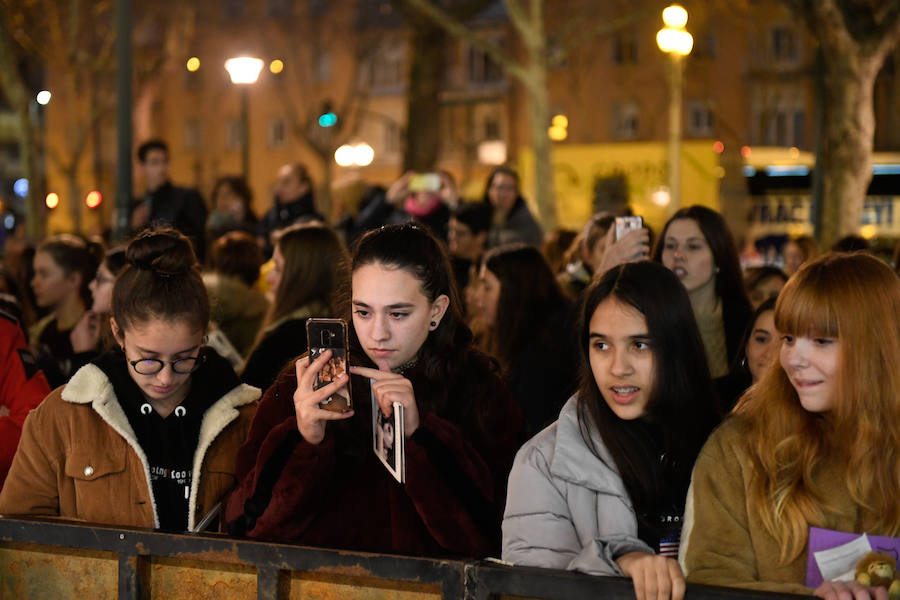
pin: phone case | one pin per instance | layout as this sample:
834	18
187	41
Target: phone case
626	224
330	334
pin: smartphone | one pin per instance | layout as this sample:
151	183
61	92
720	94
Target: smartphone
330	334
626	224
425	182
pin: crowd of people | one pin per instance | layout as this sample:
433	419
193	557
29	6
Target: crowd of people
633	405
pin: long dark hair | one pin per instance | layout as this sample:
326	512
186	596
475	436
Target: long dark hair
315	269
417	251
529	296
161	281
736	308
506	171
681	406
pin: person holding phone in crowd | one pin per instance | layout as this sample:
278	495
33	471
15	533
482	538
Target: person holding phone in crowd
310	475
145	436
602	490
814	443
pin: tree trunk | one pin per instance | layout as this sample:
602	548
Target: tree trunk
539	112
428	44
848	137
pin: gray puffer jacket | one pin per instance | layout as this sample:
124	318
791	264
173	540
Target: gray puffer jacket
566	508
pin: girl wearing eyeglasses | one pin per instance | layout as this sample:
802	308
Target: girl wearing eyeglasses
147	435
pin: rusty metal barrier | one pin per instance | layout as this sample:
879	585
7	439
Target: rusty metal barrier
48	559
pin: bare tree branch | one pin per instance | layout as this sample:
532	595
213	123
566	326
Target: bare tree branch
458	29
602	29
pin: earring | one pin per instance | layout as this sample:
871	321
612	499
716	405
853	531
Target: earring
434	325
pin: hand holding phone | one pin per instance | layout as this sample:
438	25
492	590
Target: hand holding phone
311	417
329	334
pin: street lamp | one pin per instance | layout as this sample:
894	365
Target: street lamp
675	41
244	71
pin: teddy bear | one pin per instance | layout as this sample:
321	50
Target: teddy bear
879	569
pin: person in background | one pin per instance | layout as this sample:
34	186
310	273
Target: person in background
529	330
696	244
92	335
22	386
797	251
467	239
311	476
427	198
511	221
145	436
763	283
64	265
851	243
757	352
232	208
294	201
814	444
306	281
15	298
603	489
555	247
583	256
237	308
165	204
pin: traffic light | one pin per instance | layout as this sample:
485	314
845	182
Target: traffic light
327	118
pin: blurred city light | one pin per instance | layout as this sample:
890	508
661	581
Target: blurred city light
675	16
328	119
276	66
10	221
343	156
193	63
745	151
93	199
363	154
868	231
243	69
661	196
43	97
52	200
492	152
560	121
718	147
20	187
360	155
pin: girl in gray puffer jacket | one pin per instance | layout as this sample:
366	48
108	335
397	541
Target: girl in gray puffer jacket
603	489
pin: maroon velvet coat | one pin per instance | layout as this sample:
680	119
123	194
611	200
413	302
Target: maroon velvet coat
337	494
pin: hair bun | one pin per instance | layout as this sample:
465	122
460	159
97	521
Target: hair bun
165	252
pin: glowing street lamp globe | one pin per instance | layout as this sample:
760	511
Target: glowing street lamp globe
243	69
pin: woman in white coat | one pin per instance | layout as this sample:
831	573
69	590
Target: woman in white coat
603	489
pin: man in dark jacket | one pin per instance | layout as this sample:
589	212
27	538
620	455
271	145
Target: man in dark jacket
293	202
164	203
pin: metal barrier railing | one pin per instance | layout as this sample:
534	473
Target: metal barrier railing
40	558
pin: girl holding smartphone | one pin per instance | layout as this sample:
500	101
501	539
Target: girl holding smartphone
814	443
144	436
310	475
602	490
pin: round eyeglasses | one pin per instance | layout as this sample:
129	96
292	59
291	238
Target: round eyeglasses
152	366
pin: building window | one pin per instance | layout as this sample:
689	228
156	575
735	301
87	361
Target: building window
234	134
799	128
278	8
276	133
233	9
625	121
625	49
193	134
322	66
491	130
784	44
482	68
391	137
387	67
701	119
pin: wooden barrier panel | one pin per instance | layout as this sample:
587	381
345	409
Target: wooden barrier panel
59	560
